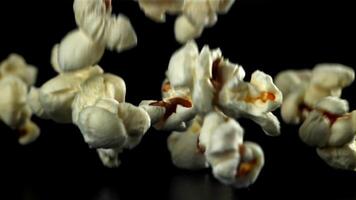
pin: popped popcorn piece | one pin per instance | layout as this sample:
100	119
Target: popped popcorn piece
185	152
95	105
193	15
76	51
328	124
109	157
54	99
328	80
156	9
94	18
233	162
17	66
16	76
340	157
312	98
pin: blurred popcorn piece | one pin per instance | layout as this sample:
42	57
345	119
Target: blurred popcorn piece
340	157
193	15
16	65
77	51
109	157
184	149
16	77
94	18
328	124
157	9
53	100
328	80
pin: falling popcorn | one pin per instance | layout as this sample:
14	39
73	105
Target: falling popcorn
16	76
82	93
193	17
203	94
312	98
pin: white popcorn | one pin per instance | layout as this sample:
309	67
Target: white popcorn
136	121
251	163
16	77
98	103
340	157
241	171
109	157
193	15
16	65
328	124
14	110
76	51
312	98
233	162
303	89
224	140
184	149
289	80
255	98
54	98
94	18
196	15
328	80
185	30
205	85
292	110
157	9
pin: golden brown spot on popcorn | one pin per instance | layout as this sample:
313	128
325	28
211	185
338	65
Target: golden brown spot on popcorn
264	97
200	148
245	168
217	76
330	116
22	132
166	86
171	105
107	4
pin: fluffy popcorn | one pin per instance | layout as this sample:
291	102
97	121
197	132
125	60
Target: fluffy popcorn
307	88
109	157
16	76
312	99
53	100
204	85
328	124
94	18
95	105
343	157
156	9
17	66
185	152
233	162
77	51
193	17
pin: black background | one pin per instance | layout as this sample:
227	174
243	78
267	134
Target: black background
259	34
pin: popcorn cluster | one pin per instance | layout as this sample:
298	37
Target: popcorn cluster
312	98
202	95
83	94
194	15
16	77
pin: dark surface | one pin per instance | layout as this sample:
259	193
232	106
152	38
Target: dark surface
268	35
